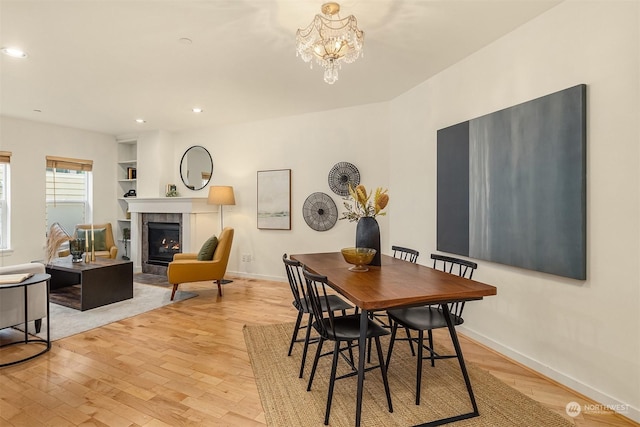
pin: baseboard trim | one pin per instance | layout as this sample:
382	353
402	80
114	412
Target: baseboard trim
256	276
564	380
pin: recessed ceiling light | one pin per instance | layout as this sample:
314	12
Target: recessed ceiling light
185	40
14	52
141	121
37	110
197	110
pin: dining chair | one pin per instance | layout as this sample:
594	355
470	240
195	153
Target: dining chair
339	329
405	254
427	318
301	303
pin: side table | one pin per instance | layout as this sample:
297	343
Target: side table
29	338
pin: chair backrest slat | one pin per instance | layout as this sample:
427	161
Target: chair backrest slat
405	254
319	298
461	267
296	282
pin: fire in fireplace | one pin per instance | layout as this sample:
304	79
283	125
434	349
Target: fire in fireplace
164	241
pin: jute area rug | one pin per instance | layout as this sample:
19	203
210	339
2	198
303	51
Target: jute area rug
287	403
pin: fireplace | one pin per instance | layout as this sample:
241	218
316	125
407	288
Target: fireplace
192	213
162	236
163	241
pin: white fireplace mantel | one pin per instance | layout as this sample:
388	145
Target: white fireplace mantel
189	207
170	205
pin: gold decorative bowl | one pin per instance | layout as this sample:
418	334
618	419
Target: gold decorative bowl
359	257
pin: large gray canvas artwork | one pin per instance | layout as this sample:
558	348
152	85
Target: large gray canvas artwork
512	185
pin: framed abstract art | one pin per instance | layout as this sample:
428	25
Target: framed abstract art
274	199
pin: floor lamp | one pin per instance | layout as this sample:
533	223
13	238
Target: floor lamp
221	195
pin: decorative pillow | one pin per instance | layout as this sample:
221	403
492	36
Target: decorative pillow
207	250
100	235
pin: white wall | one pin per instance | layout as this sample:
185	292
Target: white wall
309	145
30	142
584	334
156	164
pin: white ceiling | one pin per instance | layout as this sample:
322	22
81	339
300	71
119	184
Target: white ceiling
98	65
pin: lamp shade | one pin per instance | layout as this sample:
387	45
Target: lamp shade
221	195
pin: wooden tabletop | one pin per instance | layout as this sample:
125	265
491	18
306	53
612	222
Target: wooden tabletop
65	264
395	283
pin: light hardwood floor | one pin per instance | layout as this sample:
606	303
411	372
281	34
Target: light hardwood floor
186	364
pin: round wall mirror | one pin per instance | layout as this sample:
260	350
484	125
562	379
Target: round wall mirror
196	167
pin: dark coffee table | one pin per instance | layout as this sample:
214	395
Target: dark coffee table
103	281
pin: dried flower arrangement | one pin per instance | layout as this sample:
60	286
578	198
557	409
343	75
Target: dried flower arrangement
360	205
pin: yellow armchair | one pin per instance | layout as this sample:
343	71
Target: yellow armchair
111	250
186	268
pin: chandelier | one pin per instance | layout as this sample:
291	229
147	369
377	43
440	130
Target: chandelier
331	41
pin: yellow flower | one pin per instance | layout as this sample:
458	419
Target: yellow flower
362	205
381	201
362	197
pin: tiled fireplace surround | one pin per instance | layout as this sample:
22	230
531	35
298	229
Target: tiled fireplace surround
144	239
190	213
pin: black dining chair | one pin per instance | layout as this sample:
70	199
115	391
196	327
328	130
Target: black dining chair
339	329
405	254
427	318
301	303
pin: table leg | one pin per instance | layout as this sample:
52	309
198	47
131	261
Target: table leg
48	314
26	315
465	374
362	347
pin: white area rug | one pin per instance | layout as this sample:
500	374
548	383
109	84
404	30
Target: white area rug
67	321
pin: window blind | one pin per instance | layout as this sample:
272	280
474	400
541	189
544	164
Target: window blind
69	163
5	156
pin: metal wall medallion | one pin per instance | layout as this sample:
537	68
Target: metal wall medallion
341	175
320	212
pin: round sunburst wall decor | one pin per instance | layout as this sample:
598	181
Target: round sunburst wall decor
341	175
320	212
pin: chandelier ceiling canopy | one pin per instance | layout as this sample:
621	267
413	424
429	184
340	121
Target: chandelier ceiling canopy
330	40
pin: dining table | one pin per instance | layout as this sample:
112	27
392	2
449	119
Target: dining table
394	284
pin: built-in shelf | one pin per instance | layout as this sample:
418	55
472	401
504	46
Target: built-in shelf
127	161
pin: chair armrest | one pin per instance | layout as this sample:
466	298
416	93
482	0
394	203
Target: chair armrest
191	256
113	252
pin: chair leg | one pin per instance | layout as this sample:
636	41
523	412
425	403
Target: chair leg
307	337
394	329
173	292
419	368
350	347
383	370
315	363
38	325
433	360
294	336
219	282
372	317
332	381
408	332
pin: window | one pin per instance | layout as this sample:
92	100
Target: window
68	192
5	214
